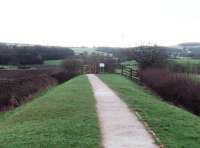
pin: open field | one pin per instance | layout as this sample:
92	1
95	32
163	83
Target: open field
89	50
64	117
188	61
53	62
175	127
79	50
187	65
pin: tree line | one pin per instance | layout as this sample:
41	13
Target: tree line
17	54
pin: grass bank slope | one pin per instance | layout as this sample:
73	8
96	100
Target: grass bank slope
175	127
63	117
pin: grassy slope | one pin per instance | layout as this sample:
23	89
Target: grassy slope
175	127
63	117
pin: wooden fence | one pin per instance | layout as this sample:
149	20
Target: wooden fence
130	71
86	69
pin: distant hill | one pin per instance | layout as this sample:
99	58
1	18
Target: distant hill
190	45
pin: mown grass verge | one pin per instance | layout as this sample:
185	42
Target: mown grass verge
63	117
175	127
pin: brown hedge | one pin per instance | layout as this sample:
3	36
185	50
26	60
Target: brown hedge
180	89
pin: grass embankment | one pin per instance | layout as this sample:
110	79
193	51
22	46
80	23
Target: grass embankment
63	117
175	127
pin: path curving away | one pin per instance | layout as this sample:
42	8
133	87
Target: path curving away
120	128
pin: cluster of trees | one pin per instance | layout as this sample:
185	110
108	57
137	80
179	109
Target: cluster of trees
123	54
16	54
151	56
126	54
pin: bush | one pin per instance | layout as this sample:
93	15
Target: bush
180	89
15	92
17	86
151	56
72	66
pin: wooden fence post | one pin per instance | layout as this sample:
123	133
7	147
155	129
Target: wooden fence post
122	70
131	74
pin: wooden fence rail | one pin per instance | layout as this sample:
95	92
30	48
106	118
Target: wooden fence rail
130	72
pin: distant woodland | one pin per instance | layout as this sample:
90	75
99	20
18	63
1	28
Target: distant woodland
16	54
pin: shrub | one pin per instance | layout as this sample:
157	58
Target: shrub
17	86
72	66
13	92
178	88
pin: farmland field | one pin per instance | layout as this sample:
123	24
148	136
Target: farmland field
53	62
65	117
187	65
79	50
89	50
175	127
188	61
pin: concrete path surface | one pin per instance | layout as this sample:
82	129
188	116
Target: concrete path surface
120	128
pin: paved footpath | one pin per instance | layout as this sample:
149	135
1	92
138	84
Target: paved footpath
120	128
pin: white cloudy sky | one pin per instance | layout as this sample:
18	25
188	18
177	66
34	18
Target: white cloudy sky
99	22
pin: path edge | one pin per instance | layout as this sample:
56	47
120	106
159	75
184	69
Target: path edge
157	141
98	119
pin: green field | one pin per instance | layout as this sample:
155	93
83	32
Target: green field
188	61
53	62
8	66
63	117
187	65
79	50
175	127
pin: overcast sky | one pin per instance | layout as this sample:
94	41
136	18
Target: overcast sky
99	22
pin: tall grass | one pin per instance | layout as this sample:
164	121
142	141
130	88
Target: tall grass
180	89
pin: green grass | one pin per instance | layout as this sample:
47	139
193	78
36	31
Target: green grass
79	50
53	62
8	66
175	127
188	61
187	64
63	117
